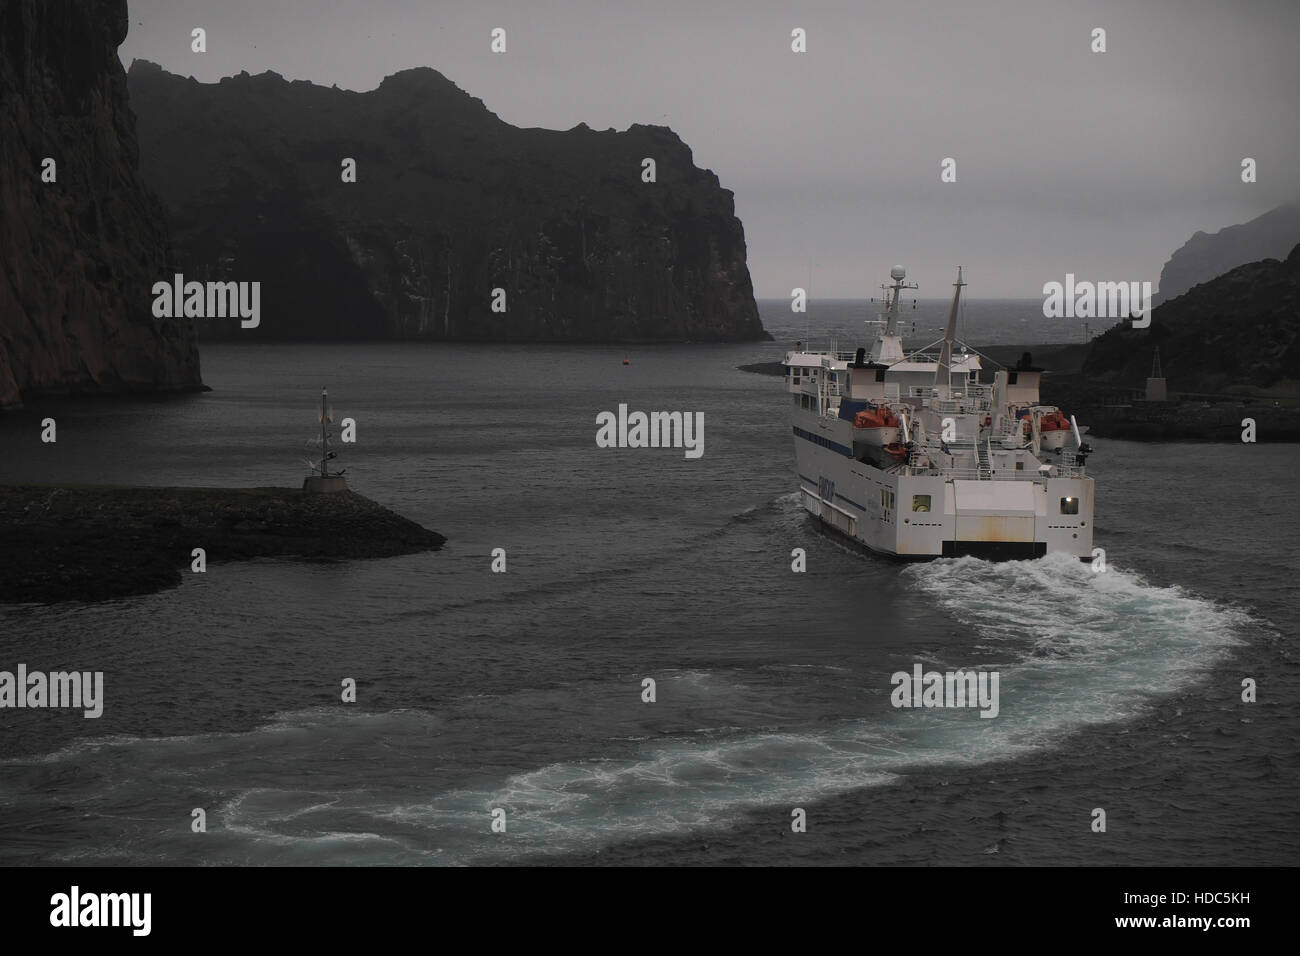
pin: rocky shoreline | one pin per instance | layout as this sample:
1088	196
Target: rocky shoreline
94	543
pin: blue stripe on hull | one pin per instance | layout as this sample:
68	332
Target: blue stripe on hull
824	442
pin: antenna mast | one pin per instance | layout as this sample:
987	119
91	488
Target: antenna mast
943	374
888	347
324	437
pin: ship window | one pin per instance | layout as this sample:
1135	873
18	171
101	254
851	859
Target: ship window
1069	506
1020	466
920	502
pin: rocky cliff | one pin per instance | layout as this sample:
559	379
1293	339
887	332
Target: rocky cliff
1239	331
78	255
1207	255
449	203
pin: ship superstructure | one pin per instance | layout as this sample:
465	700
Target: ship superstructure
909	454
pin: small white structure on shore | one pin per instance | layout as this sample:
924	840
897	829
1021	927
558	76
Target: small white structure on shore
1156	389
324	482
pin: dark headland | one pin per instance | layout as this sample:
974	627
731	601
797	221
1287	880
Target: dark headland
1228	350
94	543
456	226
448	203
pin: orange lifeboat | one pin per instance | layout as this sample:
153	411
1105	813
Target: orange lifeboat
875	417
1054	422
897	451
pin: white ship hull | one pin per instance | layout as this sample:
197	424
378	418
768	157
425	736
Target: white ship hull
998	519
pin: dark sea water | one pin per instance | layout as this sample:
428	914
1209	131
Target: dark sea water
522	691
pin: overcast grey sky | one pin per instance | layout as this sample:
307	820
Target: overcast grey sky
1100	164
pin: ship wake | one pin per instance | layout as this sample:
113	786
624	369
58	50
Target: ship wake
1074	649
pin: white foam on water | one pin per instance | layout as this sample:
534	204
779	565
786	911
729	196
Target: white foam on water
1073	649
282	722
1077	648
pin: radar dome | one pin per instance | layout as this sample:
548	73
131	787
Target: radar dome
898	272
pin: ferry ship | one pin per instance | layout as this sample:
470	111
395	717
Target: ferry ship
911	455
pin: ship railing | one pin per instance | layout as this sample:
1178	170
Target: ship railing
973	392
1013	429
968	389
1070	467
959	406
979	474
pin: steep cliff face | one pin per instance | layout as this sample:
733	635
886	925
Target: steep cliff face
1207	255
449	204
79	255
1239	330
